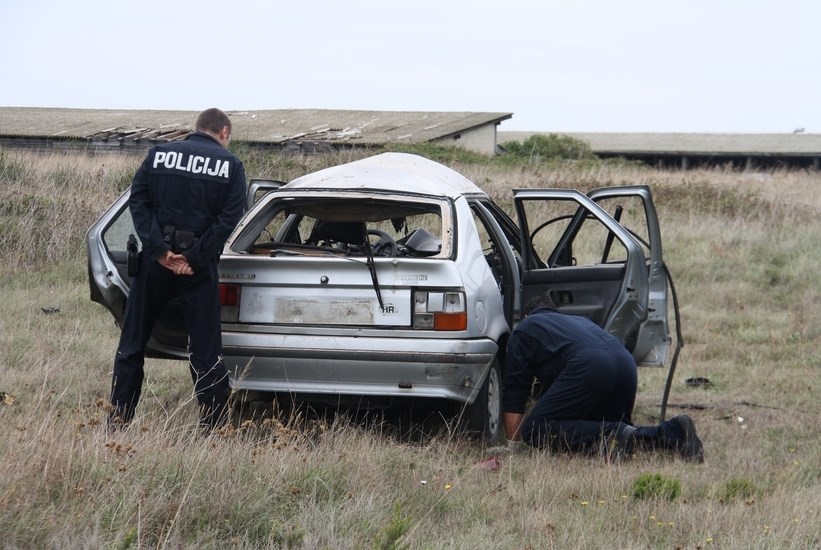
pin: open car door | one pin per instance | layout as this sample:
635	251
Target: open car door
586	260
601	256
107	242
633	208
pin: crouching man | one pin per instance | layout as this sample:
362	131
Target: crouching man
588	381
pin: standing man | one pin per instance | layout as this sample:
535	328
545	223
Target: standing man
588	381
186	198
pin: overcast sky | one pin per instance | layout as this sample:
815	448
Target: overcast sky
557	65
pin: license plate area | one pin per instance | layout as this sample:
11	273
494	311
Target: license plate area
358	307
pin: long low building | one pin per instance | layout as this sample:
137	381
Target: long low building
308	130
681	150
317	130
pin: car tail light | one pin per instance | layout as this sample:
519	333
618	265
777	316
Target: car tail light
229	300
439	310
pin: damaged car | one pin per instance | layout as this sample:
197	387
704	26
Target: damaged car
396	278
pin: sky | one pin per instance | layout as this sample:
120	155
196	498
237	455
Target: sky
727	66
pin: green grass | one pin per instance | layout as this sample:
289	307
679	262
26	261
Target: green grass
650	486
744	252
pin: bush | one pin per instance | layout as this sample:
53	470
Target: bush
738	488
656	486
540	148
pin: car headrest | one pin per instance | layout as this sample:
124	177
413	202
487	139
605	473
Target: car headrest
341	232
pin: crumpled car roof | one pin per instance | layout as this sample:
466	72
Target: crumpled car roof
397	172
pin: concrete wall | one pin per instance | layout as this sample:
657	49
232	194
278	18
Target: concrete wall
481	139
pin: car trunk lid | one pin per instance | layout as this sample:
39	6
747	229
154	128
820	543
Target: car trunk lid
332	291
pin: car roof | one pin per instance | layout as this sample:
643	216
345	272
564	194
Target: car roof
397	172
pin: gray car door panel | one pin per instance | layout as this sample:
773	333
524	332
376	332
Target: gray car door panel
109	280
612	292
653	338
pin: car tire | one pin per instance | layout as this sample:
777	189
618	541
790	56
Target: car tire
246	405
483	418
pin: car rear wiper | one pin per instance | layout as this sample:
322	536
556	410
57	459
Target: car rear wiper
372	269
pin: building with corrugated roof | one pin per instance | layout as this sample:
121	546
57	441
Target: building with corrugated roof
318	130
690	150
309	130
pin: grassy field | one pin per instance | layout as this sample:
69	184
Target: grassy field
745	251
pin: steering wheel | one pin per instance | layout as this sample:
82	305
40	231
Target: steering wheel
385	246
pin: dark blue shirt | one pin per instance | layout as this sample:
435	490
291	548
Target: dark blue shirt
195	185
543	344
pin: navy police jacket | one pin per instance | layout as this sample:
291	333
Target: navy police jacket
194	185
546	342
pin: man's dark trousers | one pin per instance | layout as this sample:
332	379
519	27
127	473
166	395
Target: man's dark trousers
151	291
592	396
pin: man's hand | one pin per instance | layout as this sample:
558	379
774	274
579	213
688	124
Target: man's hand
176	263
511	447
513	425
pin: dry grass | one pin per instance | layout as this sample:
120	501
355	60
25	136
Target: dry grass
743	248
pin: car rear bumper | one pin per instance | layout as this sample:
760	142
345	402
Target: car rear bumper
391	367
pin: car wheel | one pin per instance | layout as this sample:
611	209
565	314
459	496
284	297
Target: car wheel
483	419
246	405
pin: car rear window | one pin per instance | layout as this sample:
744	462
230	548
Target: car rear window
342	226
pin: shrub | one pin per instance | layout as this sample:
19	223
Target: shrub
737	488
656	486
540	147
393	531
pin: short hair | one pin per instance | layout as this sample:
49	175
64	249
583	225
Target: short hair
539	302
213	121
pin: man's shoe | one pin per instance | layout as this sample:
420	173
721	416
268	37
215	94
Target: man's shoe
625	443
619	444
687	444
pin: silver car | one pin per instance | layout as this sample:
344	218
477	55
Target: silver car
395	277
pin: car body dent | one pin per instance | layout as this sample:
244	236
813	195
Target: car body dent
392	173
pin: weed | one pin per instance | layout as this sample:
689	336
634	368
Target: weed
128	539
540	148
392	533
286	535
649	486
738	488
12	168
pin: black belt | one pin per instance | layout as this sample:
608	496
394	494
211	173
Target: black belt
180	240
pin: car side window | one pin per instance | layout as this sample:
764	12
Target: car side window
569	235
629	212
491	246
116	234
284	228
272	229
481	230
